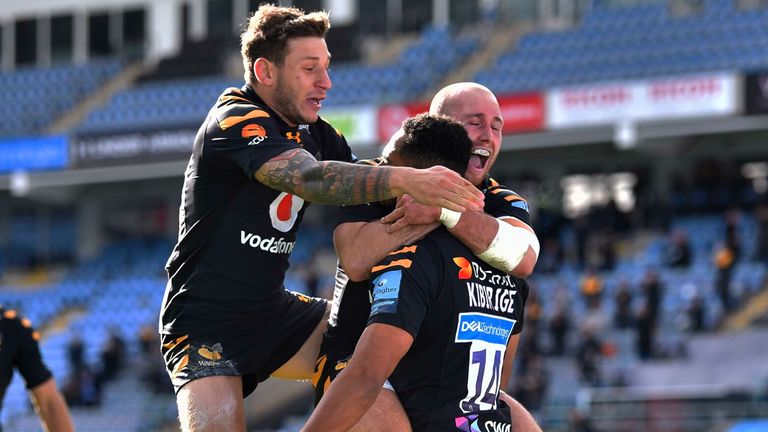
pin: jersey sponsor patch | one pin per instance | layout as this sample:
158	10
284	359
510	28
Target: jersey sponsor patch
474	326
386	288
284	210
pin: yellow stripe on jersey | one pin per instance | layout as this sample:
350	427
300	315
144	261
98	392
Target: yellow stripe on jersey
173	343
234	98
407	249
514	198
405	263
233	120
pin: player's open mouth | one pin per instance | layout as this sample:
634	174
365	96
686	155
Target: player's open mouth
479	157
315	102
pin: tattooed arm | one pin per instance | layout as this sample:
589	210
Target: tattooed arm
330	182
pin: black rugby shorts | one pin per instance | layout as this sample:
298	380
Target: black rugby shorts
250	345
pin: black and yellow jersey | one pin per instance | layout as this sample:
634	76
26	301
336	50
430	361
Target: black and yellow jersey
351	303
236	234
461	313
19	350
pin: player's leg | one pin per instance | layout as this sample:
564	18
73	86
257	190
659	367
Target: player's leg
386	415
213	403
302	365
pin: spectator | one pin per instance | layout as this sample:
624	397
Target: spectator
75	353
695	313
558	328
588	357
112	356
623	314
724	262
591	288
678	253
653	291
531	386
645	334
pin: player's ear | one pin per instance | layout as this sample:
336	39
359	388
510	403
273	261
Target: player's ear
264	71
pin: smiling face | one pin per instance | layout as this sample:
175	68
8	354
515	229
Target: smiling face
478	110
301	81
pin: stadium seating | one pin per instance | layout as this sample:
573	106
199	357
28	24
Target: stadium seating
32	98
185	102
634	42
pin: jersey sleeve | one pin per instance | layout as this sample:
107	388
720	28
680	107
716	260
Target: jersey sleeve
405	285
28	360
523	287
501	202
245	134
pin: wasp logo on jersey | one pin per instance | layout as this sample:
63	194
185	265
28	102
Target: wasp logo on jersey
386	288
465	267
474	326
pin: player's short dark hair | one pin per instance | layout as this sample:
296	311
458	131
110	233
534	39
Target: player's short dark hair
269	30
431	140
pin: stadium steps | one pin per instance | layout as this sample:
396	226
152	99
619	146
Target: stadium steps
751	312
387	51
76	115
61	322
501	39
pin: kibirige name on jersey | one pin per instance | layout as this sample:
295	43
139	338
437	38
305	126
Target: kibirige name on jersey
492	278
267	244
495	299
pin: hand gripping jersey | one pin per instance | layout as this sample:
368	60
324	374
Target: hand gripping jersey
236	234
19	350
351	304
461	313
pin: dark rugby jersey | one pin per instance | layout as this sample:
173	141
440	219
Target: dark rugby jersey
19	350
236	234
461	313
351	303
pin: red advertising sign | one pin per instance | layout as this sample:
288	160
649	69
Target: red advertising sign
521	113
391	117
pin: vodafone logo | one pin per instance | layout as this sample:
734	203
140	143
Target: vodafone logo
465	267
284	210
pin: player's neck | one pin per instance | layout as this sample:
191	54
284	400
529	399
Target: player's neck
269	99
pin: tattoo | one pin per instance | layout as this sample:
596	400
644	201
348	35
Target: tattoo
325	182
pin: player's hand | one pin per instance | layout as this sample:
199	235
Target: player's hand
409	212
439	186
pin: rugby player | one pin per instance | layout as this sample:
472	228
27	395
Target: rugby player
260	156
19	350
361	239
440	324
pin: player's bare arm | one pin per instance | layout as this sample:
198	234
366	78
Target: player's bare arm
331	182
477	230
351	394
358	257
51	407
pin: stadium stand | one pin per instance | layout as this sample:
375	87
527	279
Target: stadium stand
632	42
696	364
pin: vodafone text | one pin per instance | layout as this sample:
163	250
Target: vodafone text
267	244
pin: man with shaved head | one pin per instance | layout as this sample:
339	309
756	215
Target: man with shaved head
499	235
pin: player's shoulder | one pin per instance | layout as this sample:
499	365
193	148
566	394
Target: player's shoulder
324	129
234	107
495	190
